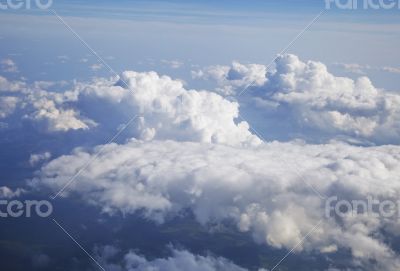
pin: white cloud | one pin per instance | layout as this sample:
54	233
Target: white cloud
7	105
49	108
8	65
362	69
7	193
297	98
174	64
34	159
57	119
168	111
46	107
8	86
304	98
191	152
96	67
353	67
332	104
257	188
180	260
233	77
391	70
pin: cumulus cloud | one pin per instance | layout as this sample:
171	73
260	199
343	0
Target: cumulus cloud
34	159
229	78
262	190
180	260
55	118
318	99
304	98
167	110
7	105
8	193
34	102
8	86
8	65
297	99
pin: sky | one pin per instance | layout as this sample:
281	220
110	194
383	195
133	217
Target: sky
199	135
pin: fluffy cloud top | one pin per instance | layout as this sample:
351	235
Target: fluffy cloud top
296	98
234	77
263	190
308	96
333	103
167	110
35	103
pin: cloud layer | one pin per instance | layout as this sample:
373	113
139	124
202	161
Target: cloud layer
180	260
263	190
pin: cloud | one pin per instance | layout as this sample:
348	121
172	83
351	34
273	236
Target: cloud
391	70
297	99
261	190
174	64
8	86
7	105
96	67
63	58
304	98
39	157
8	65
36	103
363	69
57	119
165	109
180	260
233	77
189	151
7	193
336	105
